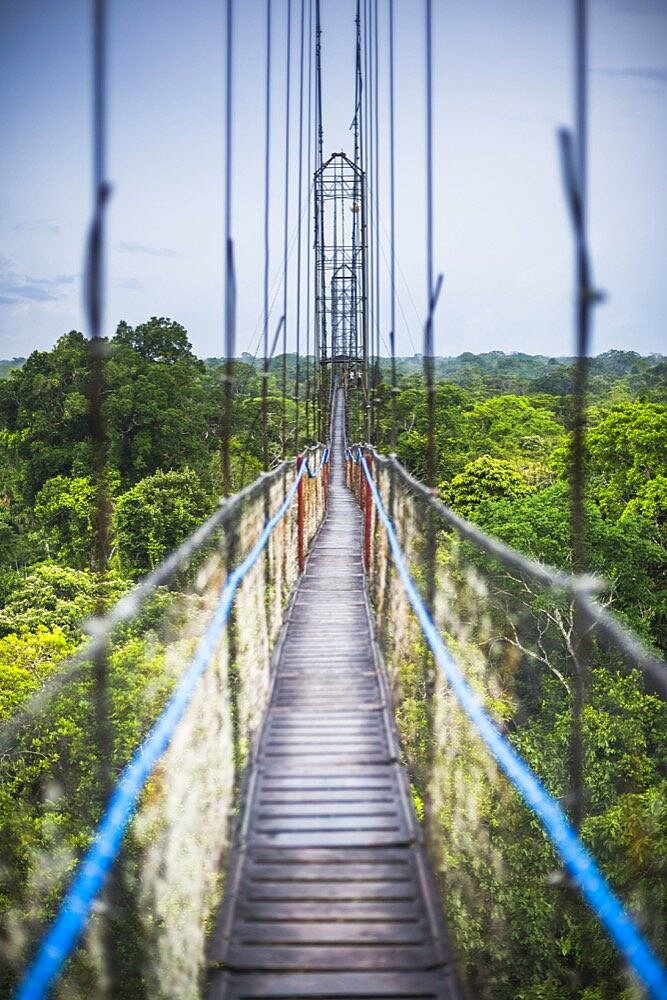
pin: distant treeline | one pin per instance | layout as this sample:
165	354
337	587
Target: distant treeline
554	374
7	366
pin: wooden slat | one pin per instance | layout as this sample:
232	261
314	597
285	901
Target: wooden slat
375	856
323	932
382	911
326	837
307	890
324	986
308	810
317	872
325	958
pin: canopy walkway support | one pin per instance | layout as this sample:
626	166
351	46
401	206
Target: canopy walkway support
329	892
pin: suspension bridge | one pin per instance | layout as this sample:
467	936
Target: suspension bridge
333	675
329	890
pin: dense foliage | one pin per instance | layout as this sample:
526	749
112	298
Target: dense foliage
503	431
502	462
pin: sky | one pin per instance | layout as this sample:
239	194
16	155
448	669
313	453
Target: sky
503	85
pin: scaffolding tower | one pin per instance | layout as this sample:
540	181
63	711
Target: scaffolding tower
340	277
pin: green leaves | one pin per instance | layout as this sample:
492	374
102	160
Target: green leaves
54	596
160	340
25	661
626	449
64	510
486	478
155	515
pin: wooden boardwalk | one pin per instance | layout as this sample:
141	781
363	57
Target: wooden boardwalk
328	893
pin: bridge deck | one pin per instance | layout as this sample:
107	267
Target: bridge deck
328	892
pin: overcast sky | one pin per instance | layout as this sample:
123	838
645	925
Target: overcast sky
503	83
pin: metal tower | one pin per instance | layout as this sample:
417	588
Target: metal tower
341	293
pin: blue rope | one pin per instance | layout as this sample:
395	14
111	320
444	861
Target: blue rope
323	461
577	860
89	877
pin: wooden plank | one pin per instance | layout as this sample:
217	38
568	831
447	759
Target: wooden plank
323	855
307	701
326	736
316	777
370	750
323	781
325	986
324	932
344	871
280	740
331	838
353	822
330	756
301	911
361	807
338	891
325	958
364	726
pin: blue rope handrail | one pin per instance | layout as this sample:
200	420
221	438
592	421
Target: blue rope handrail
581	866
72	917
312	474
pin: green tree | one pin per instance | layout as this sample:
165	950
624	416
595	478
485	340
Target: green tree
626	449
157	407
486	478
515	427
160	339
26	660
45	412
651	504
156	514
54	597
622	553
64	511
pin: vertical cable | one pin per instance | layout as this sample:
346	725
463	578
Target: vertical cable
428	330
318	83
574	165
392	225
319	202
283	421
357	88
317	295
431	527
576	170
368	155
97	353
267	167
299	283
578	471
230	280
376	120
94	292
356	200
309	258
364	415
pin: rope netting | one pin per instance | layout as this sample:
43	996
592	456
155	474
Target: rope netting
483	659
188	655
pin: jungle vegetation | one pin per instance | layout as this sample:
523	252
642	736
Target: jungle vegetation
503	431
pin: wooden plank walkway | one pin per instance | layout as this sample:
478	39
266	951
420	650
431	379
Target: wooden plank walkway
329	893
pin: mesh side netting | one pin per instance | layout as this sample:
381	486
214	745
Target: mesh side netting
147	937
518	927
